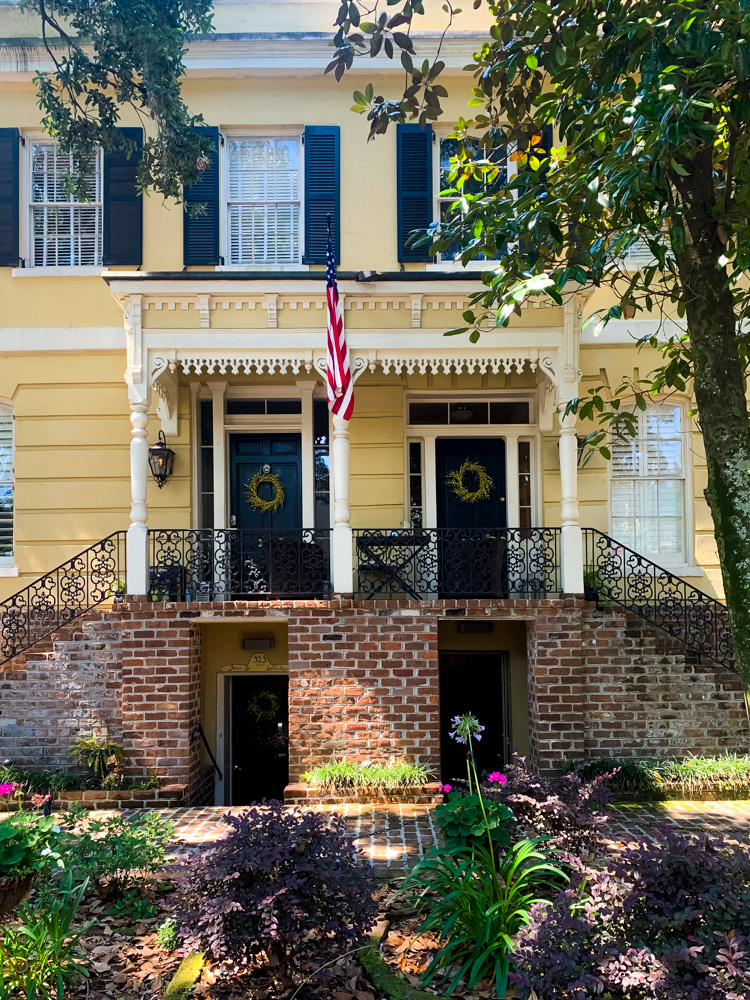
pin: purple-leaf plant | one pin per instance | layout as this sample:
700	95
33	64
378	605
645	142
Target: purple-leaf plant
282	884
667	920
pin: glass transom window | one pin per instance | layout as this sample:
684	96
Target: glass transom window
264	201
65	232
648	485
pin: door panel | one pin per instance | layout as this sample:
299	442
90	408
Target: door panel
249	453
450	454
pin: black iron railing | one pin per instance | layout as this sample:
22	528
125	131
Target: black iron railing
427	563
213	564
614	573
62	595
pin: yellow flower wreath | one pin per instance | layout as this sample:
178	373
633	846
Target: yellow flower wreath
485	485
257	501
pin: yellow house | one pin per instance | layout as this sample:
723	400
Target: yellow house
362	581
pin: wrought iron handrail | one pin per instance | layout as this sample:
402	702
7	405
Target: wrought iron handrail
428	563
62	595
225	564
619	574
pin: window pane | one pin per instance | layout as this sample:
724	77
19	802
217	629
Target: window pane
509	413
246	407
66	232
415	457
428	413
468	413
277	406
207	423
6	519
263	218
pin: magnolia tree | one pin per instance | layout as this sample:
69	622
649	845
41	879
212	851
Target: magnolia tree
649	100
107	56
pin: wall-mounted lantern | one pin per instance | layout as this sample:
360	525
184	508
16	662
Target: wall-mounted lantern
161	460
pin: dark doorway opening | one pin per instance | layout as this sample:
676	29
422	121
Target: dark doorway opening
475	683
259	712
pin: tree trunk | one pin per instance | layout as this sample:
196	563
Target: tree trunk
720	394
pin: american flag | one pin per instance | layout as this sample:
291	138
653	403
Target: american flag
338	372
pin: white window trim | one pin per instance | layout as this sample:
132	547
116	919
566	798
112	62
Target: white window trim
510	433
257	132
686	567
8	563
439	133
26	228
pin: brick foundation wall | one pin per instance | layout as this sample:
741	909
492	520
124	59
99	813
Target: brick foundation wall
363	682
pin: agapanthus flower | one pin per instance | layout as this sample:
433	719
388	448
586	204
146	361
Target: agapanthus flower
465	726
497	778
8	789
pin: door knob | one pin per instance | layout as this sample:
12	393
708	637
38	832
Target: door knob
233	521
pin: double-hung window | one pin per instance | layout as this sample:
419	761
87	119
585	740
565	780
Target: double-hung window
447	149
64	232
648	489
6	486
263	204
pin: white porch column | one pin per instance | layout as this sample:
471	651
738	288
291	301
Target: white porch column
342	559
571	547
137	582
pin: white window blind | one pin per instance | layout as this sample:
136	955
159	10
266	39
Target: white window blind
6	486
264	201
65	232
648	485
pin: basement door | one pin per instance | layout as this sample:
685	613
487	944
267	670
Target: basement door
476	683
256	747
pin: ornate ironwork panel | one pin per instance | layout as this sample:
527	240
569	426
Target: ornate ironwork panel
212	564
617	574
428	563
60	596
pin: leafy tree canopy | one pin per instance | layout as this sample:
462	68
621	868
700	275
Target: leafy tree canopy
114	54
650	101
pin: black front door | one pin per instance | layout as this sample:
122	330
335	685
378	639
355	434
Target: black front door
452	512
475	683
471	552
278	454
259	734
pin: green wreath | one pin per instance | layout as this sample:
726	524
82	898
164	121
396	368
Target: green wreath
257	501
263	706
485	485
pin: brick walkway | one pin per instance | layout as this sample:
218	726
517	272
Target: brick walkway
394	837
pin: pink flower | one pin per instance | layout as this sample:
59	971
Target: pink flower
444	788
496	778
39	800
8	789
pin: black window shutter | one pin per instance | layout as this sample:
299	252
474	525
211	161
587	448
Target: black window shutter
322	191
123	206
10	181
414	181
200	234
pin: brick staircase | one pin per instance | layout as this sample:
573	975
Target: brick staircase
646	693
37	722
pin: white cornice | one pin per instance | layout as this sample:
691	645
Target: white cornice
271	54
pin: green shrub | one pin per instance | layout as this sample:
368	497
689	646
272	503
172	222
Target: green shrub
42	782
361	774
672	778
40	952
28	843
115	852
461	821
476	906
103	757
167	936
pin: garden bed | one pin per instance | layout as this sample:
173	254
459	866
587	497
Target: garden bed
304	794
167	797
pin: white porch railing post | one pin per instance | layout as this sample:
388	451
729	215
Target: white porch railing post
342	560
137	582
571	542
